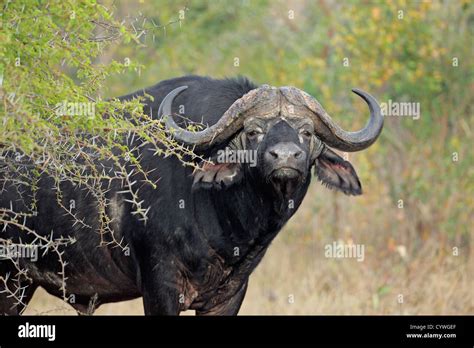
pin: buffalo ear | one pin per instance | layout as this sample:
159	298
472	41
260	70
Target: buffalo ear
218	176
333	171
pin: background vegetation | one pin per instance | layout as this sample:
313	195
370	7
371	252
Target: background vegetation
415	217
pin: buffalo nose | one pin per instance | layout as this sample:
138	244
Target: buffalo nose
284	152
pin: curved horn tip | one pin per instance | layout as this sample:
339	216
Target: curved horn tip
366	96
174	93
171	95
178	90
361	93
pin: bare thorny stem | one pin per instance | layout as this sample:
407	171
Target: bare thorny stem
14	287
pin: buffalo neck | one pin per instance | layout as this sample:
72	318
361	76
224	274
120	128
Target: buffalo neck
250	215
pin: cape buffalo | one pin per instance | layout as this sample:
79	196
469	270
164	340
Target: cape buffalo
206	230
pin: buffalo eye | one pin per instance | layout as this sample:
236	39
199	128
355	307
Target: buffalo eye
306	133
253	133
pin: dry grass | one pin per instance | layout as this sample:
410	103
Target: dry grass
431	279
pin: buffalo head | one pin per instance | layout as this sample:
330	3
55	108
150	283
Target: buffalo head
288	132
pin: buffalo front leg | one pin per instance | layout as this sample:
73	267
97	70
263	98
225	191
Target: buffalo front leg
229	307
160	291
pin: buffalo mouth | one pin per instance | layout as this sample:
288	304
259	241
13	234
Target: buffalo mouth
286	180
